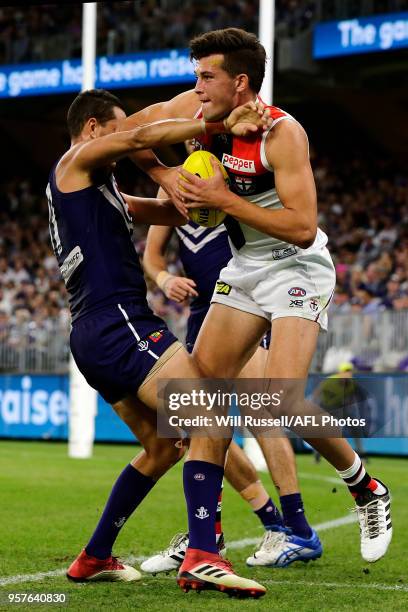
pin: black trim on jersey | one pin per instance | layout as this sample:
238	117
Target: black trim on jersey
234	232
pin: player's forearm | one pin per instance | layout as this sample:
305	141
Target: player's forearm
147	161
171	131
154	211
154	263
284	224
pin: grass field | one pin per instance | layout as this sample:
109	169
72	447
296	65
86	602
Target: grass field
50	504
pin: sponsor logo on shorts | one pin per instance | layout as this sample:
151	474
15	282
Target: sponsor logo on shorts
296	304
222	288
297	292
199	476
314	305
143	345
283	253
236	163
155	336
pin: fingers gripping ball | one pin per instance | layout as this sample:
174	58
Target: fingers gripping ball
199	163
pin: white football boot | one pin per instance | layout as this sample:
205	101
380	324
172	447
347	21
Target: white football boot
173	556
374	516
280	548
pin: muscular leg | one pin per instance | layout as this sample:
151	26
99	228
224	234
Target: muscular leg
182	365
278	451
203	470
292	333
158	454
137	479
240	333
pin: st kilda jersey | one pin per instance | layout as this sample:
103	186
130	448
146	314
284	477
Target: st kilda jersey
252	178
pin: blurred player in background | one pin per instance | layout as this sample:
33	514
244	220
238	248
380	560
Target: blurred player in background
119	345
341	394
203	253
281	273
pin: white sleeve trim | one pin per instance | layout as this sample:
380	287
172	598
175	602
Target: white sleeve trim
264	137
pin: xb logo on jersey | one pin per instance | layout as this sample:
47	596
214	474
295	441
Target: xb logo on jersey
222	288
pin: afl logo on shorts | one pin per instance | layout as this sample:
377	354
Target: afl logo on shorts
297	292
199	476
143	345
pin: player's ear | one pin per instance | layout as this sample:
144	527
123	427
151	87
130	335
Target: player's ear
242	82
93	126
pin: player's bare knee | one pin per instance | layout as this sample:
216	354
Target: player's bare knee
164	452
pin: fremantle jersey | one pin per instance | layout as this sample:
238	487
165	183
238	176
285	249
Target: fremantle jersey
203	252
252	178
91	237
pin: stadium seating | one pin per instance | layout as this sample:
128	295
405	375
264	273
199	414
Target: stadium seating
363	206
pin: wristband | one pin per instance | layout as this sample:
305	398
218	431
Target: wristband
162	278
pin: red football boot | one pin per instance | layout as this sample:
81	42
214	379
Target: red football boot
203	570
86	568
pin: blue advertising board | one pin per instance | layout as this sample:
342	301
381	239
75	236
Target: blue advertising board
361	35
36	407
117	71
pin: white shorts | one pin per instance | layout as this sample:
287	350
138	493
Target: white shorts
301	285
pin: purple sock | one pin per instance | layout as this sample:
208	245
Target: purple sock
294	515
269	515
202	485
128	491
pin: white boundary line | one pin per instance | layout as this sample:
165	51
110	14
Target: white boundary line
237	544
333	479
234	545
341	585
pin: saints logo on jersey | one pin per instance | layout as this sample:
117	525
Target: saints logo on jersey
243	184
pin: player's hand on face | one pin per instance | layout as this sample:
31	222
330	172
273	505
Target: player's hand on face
248	118
195	192
179	288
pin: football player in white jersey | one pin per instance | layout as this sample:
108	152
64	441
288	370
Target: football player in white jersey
203	252
281	273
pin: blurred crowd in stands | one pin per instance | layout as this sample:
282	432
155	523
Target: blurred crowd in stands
363	207
52	32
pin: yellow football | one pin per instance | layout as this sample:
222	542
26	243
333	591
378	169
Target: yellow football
199	163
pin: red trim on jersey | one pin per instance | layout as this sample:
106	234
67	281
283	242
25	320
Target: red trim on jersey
245	158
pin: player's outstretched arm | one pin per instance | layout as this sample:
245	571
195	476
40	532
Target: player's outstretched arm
153	211
287	153
103	151
185	105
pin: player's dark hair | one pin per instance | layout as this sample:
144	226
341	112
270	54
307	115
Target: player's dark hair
96	103
243	53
